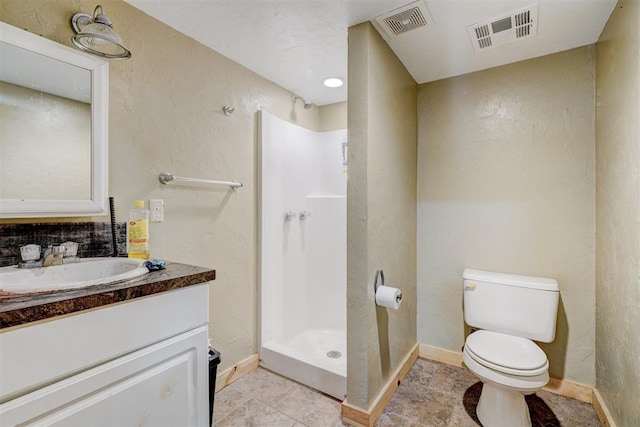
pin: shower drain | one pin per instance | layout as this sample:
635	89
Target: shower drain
333	354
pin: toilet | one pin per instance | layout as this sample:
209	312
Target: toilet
510	312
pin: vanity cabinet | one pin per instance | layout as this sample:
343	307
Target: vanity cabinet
141	362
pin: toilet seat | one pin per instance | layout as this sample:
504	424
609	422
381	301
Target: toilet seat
506	353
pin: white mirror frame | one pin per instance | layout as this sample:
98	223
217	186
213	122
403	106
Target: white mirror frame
97	205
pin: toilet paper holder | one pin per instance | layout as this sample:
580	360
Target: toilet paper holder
379	275
388	297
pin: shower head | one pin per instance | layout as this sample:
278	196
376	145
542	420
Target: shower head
307	105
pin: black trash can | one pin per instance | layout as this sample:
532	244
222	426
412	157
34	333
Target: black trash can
214	361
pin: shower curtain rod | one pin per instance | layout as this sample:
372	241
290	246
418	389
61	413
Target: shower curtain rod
166	178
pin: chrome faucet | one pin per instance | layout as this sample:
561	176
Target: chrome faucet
53	255
304	215
30	255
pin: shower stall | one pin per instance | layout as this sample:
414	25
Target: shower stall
302	256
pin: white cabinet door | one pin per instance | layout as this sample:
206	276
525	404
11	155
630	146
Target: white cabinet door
165	384
43	353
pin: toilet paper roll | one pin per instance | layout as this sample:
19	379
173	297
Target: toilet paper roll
389	297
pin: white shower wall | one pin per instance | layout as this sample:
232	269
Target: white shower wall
303	262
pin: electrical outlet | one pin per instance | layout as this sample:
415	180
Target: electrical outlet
156	206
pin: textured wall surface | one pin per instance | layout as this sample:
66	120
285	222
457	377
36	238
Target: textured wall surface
166	115
333	116
506	171
618	214
381	217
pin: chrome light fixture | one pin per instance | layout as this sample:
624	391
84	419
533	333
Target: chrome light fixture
95	34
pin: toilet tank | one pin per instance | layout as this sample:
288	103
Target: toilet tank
523	306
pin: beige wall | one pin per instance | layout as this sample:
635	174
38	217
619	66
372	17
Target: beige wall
333	116
166	115
381	221
506	183
618	214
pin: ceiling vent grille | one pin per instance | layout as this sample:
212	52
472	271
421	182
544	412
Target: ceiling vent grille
407	18
505	29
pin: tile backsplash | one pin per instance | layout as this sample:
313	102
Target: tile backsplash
93	238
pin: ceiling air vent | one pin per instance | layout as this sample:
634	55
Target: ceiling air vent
505	29
404	19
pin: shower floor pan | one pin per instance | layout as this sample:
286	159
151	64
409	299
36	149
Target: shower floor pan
315	357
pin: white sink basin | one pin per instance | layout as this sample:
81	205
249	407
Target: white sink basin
85	272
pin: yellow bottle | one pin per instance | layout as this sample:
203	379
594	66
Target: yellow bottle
138	231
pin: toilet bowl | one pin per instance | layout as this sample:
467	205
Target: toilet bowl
509	368
511	311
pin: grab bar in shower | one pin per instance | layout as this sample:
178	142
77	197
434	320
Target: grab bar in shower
166	178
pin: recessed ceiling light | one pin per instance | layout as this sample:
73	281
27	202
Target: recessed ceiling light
333	82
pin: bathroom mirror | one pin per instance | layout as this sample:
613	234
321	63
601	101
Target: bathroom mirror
53	128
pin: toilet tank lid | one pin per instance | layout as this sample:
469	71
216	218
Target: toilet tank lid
542	283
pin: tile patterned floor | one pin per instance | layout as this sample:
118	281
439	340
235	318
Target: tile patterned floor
432	394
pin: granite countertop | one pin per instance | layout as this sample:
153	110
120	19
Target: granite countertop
19	310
